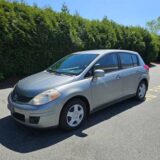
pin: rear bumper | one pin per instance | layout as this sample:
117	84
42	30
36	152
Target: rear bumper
35	116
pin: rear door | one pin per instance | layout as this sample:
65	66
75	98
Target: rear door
129	73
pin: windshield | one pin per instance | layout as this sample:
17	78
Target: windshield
73	64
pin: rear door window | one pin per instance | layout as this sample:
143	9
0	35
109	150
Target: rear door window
126	60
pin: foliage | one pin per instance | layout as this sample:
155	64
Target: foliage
31	38
1	76
154	26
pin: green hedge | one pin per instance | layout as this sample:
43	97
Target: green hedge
31	38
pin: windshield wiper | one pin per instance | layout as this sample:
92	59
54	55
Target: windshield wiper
63	73
53	71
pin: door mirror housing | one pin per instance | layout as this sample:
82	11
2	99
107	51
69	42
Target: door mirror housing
99	73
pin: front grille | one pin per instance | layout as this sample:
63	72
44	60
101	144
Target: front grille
19	116
17	97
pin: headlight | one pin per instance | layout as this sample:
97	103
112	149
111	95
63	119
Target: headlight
45	97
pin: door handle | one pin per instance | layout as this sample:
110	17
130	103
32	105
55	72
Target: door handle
118	77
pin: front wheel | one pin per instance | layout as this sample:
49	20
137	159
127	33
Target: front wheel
73	114
141	91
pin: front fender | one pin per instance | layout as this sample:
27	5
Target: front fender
74	89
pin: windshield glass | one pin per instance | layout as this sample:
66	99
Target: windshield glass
73	64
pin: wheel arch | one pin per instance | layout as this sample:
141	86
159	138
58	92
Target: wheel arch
144	80
81	97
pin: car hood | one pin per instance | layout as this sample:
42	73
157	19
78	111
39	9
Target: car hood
37	83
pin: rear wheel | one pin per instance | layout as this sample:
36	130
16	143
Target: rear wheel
73	114
141	91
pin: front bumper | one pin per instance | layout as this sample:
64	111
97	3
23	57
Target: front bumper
42	116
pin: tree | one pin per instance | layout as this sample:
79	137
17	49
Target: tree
77	13
154	26
32	38
64	9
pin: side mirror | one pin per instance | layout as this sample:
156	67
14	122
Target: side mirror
99	73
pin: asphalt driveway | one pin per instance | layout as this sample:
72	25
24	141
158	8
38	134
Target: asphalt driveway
126	131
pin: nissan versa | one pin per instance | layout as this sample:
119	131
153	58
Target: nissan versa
77	85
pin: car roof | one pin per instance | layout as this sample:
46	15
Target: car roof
104	51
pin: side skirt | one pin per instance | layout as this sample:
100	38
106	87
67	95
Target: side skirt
111	103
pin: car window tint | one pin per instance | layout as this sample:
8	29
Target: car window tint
126	60
108	63
135	60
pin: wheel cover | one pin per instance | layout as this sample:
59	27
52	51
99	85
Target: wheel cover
142	90
75	115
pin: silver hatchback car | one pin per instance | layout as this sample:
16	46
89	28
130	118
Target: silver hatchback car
77	85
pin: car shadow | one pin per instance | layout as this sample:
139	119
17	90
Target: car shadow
22	139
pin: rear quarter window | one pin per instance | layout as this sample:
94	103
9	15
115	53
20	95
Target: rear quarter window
135	60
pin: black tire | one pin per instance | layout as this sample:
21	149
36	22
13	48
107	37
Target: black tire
142	97
63	122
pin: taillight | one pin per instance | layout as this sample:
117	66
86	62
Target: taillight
146	67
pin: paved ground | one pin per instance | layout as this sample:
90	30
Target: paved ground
126	131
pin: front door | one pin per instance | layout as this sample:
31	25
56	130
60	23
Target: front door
108	88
